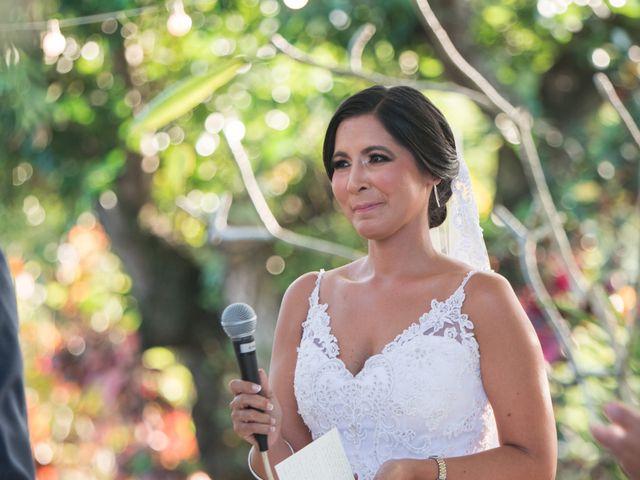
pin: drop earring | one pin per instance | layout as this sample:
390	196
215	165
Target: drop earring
435	192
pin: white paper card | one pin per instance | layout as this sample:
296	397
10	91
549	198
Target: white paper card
322	459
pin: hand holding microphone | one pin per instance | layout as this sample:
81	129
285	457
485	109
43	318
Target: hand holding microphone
256	415
255	412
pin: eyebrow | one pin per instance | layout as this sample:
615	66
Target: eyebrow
366	150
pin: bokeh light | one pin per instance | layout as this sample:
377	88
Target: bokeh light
53	42
179	23
296	4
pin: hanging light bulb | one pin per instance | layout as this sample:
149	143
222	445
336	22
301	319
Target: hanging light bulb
179	23
53	42
296	4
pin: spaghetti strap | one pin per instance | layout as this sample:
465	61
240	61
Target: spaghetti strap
466	278
314	298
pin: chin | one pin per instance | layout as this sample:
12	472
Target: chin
372	234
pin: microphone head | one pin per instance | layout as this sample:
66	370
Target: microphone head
238	320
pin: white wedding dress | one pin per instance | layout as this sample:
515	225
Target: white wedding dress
421	396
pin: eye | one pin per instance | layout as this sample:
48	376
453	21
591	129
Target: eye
378	158
339	164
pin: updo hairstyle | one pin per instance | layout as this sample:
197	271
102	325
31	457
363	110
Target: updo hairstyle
416	124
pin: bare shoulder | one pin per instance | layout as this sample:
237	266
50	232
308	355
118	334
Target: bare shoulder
301	287
293	312
496	312
335	277
487	287
295	302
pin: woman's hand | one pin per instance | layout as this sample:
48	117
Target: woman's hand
403	469
622	437
254	409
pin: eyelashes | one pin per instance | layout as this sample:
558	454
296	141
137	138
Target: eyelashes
339	164
372	159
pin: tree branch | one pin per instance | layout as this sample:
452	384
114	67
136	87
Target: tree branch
529	265
608	92
266	216
292	52
529	152
458	60
606	89
359	41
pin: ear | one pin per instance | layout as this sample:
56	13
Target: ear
431	180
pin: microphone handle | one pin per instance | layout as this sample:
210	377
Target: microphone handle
245	349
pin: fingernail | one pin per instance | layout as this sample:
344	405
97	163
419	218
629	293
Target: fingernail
269	406
273	429
273	421
256	388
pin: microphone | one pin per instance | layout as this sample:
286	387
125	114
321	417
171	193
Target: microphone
239	323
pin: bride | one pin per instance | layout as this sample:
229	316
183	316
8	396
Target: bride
418	354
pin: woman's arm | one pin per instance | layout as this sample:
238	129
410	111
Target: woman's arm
282	424
514	379
293	312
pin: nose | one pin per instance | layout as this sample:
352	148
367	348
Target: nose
358	177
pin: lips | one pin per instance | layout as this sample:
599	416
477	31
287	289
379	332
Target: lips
365	207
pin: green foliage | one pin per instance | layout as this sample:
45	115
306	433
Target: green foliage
182	97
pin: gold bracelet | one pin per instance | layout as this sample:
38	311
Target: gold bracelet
442	467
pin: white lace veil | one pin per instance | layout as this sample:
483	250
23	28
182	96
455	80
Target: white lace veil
460	235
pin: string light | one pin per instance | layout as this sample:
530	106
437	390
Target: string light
179	23
73	22
53	42
296	4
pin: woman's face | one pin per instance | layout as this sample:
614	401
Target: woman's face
376	181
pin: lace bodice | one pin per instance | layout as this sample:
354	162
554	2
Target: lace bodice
421	396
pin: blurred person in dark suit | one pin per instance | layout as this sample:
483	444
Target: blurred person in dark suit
16	461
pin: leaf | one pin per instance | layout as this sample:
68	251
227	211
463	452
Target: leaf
182	97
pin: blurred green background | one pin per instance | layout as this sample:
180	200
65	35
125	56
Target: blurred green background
117	182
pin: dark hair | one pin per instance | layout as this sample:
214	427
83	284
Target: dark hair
415	123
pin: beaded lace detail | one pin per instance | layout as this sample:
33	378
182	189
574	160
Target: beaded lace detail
422	395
